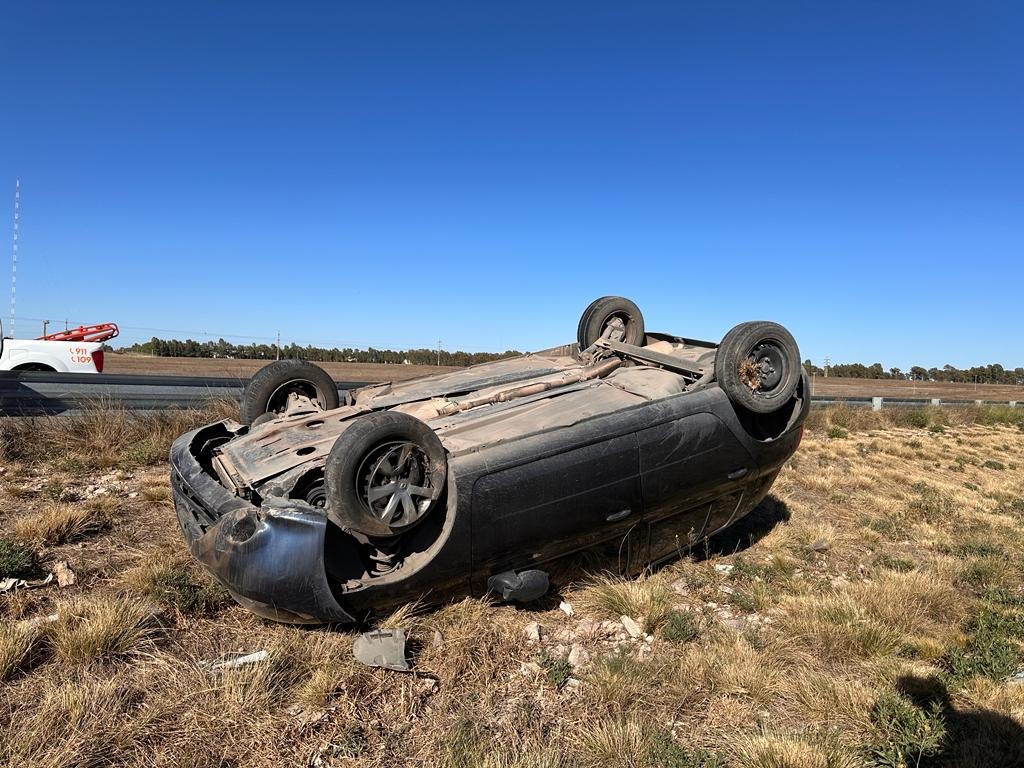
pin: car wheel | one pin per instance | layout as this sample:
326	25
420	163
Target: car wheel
611	317
268	390
384	474
585	318
758	366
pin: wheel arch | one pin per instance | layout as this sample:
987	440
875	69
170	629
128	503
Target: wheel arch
36	366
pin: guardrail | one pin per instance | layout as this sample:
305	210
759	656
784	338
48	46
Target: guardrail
24	393
878	403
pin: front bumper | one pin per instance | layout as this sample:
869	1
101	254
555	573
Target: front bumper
270	558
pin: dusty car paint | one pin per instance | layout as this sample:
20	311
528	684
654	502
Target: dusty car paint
639	461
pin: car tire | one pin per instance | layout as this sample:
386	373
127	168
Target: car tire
758	366
384	474
267	391
614	316
585	318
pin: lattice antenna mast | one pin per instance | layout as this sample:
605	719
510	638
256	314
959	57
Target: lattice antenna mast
14	251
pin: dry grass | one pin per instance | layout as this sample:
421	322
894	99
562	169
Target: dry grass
103	434
61	524
886	561
101	629
646	600
16	642
793	751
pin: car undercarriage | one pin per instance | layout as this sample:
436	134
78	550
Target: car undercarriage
324	507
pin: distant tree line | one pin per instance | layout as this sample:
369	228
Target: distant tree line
990	374
225	349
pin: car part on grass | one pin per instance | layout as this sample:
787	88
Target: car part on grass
288	385
522	587
235	661
618	456
9	583
382	648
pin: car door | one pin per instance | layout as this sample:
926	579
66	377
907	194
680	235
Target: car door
570	499
691	468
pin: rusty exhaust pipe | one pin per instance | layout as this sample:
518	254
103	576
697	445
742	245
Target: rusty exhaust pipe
598	371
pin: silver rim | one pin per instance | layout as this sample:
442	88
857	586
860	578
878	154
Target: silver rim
394	483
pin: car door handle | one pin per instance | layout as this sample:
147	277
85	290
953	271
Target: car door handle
620	515
736	474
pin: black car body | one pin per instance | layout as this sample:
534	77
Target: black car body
545	455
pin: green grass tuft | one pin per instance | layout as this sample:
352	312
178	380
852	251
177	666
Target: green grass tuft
177	588
680	627
18	561
992	649
556	669
903	734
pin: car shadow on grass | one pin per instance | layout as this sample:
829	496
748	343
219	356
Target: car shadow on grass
745	532
973	737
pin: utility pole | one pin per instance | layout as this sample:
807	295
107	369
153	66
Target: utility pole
277	345
827	361
438	353
14	251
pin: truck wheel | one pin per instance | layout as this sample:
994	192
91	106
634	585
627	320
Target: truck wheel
758	366
384	474
611	317
268	390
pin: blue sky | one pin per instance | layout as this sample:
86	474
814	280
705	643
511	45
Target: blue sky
389	174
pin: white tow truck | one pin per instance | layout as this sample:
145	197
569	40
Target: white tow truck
78	350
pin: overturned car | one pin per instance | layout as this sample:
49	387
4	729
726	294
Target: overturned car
318	507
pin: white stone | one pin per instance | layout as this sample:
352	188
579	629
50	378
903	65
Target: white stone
631	627
533	632
578	656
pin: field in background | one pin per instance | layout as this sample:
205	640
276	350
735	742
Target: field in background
869	614
897	388
372	372
202	366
